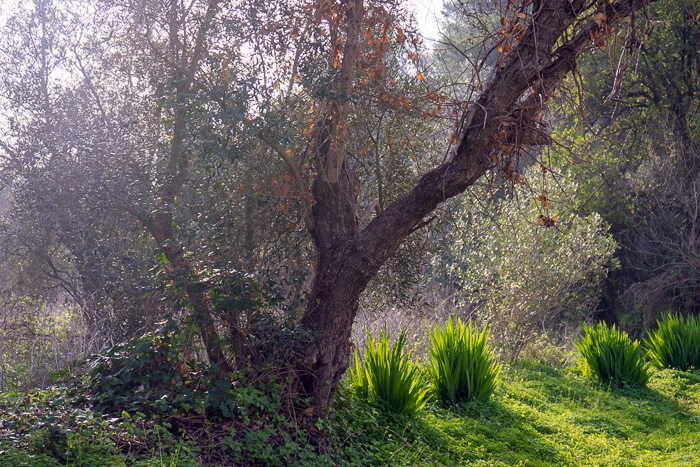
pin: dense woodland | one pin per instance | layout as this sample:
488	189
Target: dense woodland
250	189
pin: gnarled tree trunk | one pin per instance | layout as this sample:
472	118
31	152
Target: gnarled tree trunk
348	257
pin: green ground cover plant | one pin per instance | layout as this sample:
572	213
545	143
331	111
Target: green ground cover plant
50	428
55	427
142	403
462	366
675	343
609	355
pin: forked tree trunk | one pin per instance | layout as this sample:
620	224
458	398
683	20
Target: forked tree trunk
505	115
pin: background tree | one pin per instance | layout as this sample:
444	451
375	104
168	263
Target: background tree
60	167
545	283
642	124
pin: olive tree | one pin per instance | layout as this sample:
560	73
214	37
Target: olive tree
194	80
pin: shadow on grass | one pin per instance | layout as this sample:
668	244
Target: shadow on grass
509	436
616	412
476	433
538	417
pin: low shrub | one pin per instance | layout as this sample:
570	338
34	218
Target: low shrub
389	376
608	354
462	365
149	374
150	383
675	343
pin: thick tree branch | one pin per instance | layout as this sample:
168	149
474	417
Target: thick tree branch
338	111
532	64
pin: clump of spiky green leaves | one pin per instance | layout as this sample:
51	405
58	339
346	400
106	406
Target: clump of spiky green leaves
389	376
675	343
359	378
462	365
608	354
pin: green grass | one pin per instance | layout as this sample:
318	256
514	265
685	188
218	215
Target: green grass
537	417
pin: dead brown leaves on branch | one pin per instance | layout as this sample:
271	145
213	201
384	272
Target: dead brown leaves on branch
514	23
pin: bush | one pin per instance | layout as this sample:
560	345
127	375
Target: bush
462	366
149	374
609	355
389	376
675	343
549	280
243	418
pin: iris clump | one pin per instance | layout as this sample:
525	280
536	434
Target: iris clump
462	365
388	376
609	355
675	343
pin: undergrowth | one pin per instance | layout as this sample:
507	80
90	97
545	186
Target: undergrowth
144	403
537	416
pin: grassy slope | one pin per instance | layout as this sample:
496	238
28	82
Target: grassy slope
538	417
